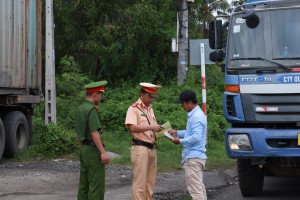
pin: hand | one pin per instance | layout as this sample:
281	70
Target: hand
157	128
176	140
172	132
104	158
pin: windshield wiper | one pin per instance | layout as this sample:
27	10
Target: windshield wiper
287	58
286	68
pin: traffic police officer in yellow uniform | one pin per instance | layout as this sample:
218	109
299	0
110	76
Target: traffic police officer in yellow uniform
92	153
141	121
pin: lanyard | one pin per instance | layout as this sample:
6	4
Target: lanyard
147	120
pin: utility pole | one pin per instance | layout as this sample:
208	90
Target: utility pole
50	88
182	41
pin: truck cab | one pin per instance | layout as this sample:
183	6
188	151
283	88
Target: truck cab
262	90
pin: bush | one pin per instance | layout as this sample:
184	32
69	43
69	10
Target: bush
117	100
51	141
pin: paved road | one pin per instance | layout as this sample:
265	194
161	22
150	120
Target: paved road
58	180
275	188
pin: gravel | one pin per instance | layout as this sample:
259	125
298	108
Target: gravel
58	179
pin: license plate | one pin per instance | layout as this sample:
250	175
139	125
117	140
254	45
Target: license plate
298	139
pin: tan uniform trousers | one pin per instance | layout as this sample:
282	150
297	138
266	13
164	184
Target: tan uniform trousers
144	163
194	178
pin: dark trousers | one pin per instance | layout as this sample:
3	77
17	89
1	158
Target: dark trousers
92	174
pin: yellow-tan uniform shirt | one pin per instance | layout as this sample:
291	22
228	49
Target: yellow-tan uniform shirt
135	116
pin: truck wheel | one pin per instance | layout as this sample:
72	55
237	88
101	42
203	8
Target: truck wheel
251	178
16	132
2	138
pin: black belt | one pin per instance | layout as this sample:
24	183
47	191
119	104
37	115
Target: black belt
90	143
141	143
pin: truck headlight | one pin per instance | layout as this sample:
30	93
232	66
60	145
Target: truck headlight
239	142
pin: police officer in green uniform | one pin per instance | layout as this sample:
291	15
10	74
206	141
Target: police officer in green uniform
92	153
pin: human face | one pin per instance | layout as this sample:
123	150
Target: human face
147	98
185	106
188	106
98	97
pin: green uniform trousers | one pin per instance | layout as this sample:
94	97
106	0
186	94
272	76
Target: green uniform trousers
92	174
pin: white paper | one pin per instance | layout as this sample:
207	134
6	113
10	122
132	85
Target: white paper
168	135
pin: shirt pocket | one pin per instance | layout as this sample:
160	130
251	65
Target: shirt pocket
142	120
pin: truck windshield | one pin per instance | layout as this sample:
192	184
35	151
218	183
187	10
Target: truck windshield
276	38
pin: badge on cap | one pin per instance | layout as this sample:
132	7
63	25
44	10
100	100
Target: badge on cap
95	86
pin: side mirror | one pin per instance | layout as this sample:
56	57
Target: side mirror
216	56
252	20
215	34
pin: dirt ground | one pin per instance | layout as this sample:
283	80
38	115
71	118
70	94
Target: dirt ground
58	180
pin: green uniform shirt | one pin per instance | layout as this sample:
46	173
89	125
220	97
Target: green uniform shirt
81	115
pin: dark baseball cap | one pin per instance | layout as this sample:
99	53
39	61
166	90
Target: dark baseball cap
186	95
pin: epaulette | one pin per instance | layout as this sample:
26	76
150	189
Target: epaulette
135	104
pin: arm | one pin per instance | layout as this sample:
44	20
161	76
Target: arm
173	132
97	140
181	133
177	133
197	130
142	128
79	142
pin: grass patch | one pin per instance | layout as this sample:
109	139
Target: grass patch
168	154
188	198
217	156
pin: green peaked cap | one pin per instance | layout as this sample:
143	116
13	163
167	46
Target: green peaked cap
96	84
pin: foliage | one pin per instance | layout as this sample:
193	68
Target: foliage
112	110
50	140
168	154
125	42
69	91
117	40
237	2
203	12
217	157
116	102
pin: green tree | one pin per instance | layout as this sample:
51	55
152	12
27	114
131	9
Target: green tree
203	12
117	40
237	2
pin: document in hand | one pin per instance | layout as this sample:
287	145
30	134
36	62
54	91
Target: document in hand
167	126
168	135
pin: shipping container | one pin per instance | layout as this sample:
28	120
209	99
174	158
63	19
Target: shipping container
20	47
20	71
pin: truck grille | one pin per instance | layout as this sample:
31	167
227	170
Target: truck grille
230	106
271	107
283	143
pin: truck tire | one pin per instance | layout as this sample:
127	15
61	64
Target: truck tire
16	133
2	138
251	178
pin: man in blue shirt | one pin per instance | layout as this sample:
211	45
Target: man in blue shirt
193	140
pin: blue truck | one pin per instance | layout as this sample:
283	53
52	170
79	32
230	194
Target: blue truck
262	89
